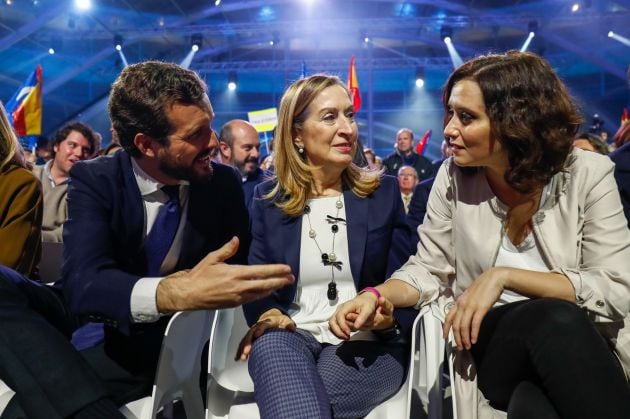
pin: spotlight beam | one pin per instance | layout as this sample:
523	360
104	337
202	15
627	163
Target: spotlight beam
527	41
188	60
619	38
452	52
122	57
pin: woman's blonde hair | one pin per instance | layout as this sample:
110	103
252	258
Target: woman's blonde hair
292	171
10	149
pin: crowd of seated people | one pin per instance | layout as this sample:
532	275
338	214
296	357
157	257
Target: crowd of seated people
329	254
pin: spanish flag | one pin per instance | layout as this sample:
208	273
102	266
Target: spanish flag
25	107
353	86
423	142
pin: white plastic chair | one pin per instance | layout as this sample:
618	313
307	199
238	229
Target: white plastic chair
179	368
230	388
178	372
5	396
431	347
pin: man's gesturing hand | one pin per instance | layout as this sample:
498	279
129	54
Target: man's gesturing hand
213	284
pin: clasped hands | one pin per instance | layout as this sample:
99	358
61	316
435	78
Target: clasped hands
364	312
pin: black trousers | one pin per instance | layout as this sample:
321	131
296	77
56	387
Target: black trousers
544	358
51	378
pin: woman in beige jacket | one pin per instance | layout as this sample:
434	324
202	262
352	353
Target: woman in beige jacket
530	238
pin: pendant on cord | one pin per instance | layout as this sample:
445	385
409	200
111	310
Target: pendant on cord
332	291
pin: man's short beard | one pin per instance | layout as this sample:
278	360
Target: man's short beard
171	167
245	172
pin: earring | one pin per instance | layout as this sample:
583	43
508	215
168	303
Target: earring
300	149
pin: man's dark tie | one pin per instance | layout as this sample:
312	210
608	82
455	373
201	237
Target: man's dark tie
161	236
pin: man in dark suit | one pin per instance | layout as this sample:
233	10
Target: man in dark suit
418	208
147	234
621	157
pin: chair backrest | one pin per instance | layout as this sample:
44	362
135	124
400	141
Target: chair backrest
179	367
228	328
51	261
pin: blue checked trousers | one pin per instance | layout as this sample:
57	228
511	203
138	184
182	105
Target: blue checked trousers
295	376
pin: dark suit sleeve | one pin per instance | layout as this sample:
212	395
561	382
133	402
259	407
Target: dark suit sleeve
399	252
259	253
93	284
418	209
621	157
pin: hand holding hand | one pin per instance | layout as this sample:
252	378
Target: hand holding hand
269	320
213	284
471	307
363	312
383	317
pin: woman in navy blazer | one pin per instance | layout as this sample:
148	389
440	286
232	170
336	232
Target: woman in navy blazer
342	230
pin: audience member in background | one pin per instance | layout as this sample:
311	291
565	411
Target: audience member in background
72	143
621	157
418	204
42	151
590	142
215	153
378	163
622	136
359	159
533	230
418	208
407	180
111	149
148	232
445	151
98	141
370	157
20	204
405	155
267	162
239	145
342	228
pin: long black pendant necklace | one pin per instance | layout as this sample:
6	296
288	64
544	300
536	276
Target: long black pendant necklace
328	259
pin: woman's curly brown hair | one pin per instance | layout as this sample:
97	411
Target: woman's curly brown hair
530	110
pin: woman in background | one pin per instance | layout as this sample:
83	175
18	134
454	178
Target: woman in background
529	235
20	205
342	230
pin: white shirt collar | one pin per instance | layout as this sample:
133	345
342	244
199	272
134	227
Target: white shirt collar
146	183
47	167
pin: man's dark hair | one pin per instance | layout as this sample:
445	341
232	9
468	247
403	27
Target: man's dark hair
531	113
142	94
79	127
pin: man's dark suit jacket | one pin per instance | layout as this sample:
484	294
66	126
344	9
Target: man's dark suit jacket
418	208
253	179
621	157
104	255
378	243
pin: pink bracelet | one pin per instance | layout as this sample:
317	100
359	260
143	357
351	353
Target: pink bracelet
373	291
